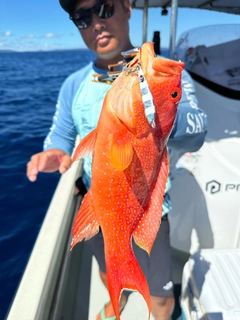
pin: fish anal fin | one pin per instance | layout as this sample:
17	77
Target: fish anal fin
121	150
86	146
85	224
147	229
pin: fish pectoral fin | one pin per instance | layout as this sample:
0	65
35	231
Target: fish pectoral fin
85	224
121	150
86	146
147	229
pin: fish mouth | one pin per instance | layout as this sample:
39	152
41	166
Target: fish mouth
152	63
147	55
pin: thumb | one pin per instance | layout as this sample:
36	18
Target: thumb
65	163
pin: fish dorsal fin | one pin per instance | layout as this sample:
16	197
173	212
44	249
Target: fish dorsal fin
147	229
121	150
86	146
85	224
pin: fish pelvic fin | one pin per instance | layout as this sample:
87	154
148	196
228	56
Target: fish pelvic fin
86	146
147	229
121	150
85	224
124	272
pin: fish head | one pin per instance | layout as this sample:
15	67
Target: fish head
146	94
163	80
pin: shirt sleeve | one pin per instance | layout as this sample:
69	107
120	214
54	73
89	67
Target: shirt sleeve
190	126
62	133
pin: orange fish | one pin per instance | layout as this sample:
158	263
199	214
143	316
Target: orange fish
130	167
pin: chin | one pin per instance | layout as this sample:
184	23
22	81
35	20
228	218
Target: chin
110	49
108	53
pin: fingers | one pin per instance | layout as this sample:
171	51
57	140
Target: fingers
32	168
42	162
48	161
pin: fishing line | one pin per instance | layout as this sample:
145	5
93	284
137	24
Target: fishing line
128	69
90	107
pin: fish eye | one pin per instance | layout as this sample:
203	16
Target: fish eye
175	95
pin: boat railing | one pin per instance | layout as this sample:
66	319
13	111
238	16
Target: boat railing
37	290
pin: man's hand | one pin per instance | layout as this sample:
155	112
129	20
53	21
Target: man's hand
48	161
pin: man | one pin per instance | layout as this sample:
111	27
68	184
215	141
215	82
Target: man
104	27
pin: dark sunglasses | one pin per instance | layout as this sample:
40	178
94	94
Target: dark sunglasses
82	18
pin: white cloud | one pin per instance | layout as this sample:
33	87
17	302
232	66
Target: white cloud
33	42
49	35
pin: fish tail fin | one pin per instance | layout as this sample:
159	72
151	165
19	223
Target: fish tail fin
125	274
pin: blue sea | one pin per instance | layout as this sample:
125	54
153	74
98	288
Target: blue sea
29	86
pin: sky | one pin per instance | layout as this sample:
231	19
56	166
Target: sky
31	25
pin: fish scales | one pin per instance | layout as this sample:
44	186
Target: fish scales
130	168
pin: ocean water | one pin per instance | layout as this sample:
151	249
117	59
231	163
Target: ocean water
29	86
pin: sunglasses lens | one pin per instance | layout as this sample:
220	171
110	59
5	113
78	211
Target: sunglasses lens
82	18
104	9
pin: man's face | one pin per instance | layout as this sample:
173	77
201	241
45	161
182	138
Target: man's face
107	38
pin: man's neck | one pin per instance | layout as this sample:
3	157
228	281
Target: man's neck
105	61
